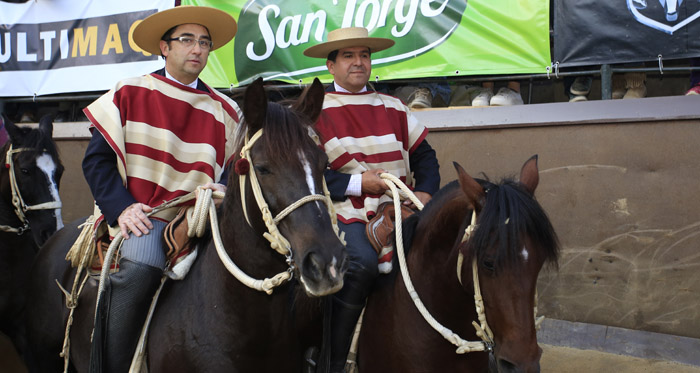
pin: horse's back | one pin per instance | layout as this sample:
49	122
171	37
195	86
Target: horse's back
46	307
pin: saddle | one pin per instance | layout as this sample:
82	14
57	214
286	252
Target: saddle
177	247
380	232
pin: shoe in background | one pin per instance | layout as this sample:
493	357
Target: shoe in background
695	90
618	87
483	97
581	86
634	82
420	99
506	97
577	98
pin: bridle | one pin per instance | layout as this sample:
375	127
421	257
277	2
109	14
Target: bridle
20	206
277	241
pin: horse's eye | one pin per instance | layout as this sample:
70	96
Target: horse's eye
24	171
262	170
489	265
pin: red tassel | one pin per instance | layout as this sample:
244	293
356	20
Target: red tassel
242	166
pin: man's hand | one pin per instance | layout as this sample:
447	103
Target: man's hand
216	187
134	219
372	183
423	197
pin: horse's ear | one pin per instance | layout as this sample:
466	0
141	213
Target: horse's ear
310	101
255	105
12	130
474	191
530	175
46	124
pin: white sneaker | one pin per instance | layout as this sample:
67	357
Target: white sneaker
506	97
483	98
420	99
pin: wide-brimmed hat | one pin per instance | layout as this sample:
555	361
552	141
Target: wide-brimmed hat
222	27
346	38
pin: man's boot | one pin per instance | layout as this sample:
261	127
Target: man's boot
126	305
343	321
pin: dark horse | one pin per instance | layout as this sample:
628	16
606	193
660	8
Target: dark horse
512	241
31	178
211	322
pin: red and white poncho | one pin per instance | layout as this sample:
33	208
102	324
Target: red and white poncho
168	138
363	131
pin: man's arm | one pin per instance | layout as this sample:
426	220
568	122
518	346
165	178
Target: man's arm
426	171
337	183
100	170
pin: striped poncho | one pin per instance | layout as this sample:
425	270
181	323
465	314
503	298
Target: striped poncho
365	131
168	138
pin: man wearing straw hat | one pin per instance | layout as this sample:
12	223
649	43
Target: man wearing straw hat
364	133
154	138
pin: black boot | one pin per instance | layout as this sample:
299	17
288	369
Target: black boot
343	321
124	307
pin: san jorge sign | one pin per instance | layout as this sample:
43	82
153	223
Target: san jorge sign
430	37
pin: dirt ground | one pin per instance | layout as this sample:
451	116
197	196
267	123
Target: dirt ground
554	359
570	360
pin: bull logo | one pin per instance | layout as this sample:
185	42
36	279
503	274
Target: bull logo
664	16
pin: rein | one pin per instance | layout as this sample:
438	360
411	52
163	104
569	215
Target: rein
482	330
20	206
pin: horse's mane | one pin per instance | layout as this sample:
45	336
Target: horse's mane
505	201
33	138
508	214
285	132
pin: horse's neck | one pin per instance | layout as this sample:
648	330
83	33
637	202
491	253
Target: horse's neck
245	244
435	241
7	210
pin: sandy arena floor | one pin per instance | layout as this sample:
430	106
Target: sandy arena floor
554	359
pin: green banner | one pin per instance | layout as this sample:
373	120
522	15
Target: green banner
434	38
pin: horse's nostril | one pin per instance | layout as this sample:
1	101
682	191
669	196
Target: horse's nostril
312	267
506	366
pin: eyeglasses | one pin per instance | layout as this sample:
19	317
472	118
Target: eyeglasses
189	42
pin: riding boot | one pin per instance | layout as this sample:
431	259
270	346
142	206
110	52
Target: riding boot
343	321
126	305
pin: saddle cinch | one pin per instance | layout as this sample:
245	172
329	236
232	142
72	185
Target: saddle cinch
379	232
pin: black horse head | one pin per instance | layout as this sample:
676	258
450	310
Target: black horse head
30	181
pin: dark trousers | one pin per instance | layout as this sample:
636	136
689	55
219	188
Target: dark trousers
350	300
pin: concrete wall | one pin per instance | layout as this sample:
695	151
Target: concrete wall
619	181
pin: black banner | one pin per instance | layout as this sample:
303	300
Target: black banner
594	32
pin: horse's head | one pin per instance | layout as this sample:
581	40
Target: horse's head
289	166
512	241
31	177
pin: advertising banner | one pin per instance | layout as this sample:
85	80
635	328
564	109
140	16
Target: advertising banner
434	38
594	32
62	46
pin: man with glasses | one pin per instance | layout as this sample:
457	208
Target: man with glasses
154	138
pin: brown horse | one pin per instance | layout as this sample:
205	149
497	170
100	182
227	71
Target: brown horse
30	178
512	241
210	321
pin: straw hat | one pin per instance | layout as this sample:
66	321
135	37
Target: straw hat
346	38
222	27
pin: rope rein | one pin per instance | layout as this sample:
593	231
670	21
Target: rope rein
20	206
463	346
